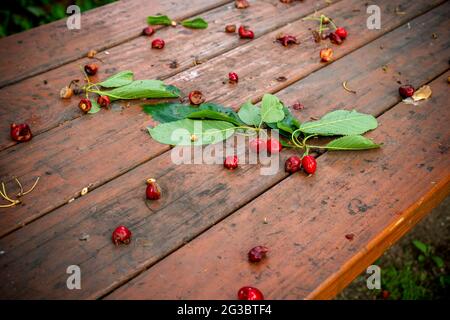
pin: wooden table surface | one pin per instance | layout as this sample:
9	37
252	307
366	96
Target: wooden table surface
192	243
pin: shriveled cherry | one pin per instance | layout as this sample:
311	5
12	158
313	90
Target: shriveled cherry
233	77
121	235
274	146
406	91
250	293
153	191
85	105
241	4
245	33
257	253
91	69
104	101
158	44
148	31
309	164
231	28
257	145
196	97
335	38
326	54
20	132
341	32
286	40
293	164
231	162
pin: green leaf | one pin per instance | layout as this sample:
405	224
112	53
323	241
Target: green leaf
180	132
421	246
250	114
288	125
140	89
167	112
341	122
197	23
118	80
438	261
271	109
212	115
95	107
159	20
355	142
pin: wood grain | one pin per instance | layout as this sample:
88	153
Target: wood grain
196	197
376	195
49	46
69	161
37	101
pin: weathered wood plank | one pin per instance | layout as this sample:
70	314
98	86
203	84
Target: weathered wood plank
193	201
49	46
43	109
70	161
376	195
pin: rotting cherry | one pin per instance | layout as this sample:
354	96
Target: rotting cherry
104	101
153	191
273	145
231	162
148	31
309	164
121	235
241	4
341	32
335	38
245	33
257	145
158	44
91	69
66	92
293	164
286	40
250	293
233	77
406	91
20	132
196	98
231	28
326	54
85	105
257	253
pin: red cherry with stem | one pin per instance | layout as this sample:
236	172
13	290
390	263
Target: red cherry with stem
250	293
341	32
153	191
104	101
257	145
257	253
231	162
85	105
309	164
274	146
158	44
20	132
406	91
121	235
233	77
293	164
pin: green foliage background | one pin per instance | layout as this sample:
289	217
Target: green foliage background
20	15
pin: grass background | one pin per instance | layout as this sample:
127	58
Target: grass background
21	15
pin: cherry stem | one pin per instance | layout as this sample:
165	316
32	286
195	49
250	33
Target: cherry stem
20	186
32	188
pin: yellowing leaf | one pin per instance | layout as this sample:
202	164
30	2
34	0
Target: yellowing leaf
422	94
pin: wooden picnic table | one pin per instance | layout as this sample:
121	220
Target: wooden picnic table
192	243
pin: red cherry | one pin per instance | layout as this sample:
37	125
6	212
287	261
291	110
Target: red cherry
20	132
85	105
104	101
231	162
244	33
257	253
148	31
250	293
158	44
274	146
153	191
293	164
121	235
309	164
91	69
257	145
406	91
233	77
341	32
